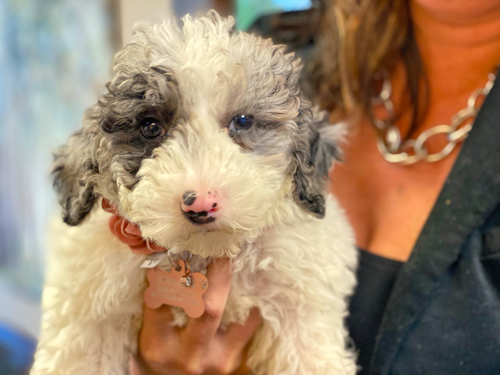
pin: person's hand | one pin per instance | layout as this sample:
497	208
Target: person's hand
200	347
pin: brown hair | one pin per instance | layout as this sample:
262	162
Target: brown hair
357	40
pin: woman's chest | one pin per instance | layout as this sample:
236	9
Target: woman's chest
386	204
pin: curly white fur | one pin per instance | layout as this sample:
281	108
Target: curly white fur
296	267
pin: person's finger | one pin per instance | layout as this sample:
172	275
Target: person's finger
200	331
243	369
134	366
158	321
157	337
228	351
236	338
238	335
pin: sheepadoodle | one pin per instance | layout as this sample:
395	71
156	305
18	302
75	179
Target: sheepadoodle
205	144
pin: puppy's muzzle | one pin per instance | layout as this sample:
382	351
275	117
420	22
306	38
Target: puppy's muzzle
200	207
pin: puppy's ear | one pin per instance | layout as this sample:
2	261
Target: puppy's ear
72	171
314	154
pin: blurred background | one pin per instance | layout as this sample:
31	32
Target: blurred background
55	57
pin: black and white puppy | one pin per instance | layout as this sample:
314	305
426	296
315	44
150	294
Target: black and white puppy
204	141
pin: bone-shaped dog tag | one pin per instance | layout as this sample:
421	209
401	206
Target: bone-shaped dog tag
179	287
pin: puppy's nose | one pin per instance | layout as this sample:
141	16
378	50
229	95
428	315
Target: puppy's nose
188	197
200	208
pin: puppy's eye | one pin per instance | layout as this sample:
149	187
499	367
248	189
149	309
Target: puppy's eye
151	128
241	123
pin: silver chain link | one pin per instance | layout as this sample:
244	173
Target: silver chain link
411	151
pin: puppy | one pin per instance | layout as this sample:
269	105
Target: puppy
203	141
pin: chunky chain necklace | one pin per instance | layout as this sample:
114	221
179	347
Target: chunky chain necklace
411	151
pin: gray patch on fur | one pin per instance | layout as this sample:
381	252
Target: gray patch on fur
314	154
262	81
71	171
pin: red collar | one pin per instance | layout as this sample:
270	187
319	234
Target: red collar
129	233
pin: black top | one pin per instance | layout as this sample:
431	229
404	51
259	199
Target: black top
376	278
443	314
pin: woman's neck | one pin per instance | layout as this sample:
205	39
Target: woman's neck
459	46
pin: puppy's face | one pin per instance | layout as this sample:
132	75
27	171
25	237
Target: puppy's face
202	140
